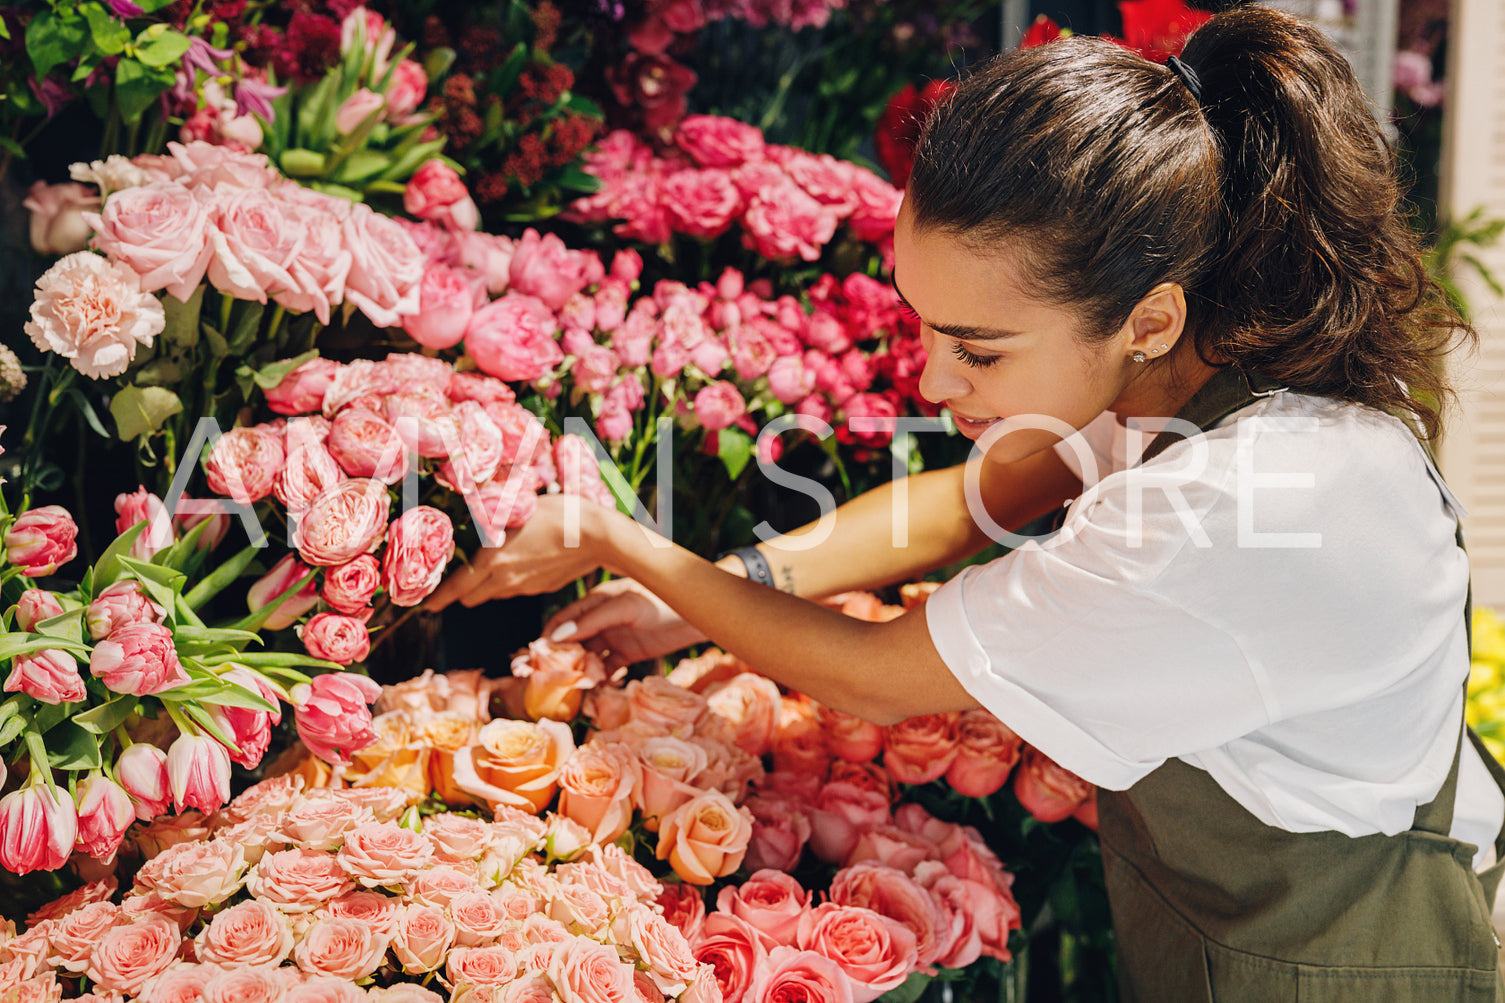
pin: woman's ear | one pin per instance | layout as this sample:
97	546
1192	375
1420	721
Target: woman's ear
1157	321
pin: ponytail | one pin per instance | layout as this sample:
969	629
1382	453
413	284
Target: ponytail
1271	199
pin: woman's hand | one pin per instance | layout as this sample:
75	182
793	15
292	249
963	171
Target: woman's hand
538	557
623	621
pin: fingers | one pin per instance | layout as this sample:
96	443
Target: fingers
573	612
457	586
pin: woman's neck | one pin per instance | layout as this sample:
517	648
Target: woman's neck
1164	387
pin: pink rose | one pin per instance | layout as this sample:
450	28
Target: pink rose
57	216
142	771
425	421
37	830
244	462
118	604
323	262
182	983
248	933
302	390
365	445
770	901
347	520
545	268
683	906
196	873
1047	791
336	637
490	256
660	704
750	704
406	90
245	985
334	716
419	545
717	141
987	751
280	584
50	675
198	770
423	939
298	881
326	989
354	110
309	468
875	952
255	240
209	166
850	738
343	948
512	338
386	267
446	302
894	846
920	749
380	854
662	948
435	193
321	820
138	658
41	540
480	919
349	587
705	838
877	206
126	956
792	974
104	813
161	232
596	787
781	828
588	972
72	936
783	222
499	505
480	449
701	203
735	952
894	894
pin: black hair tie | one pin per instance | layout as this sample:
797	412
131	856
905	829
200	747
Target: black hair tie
1187	76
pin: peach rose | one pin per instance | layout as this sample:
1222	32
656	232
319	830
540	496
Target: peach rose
423	939
799	744
1047	791
986	753
661	947
850	738
343	948
439	886
182	983
196	874
750	703
248	933
896	895
558	676
377	911
667	767
72	938
658	703
382	854
126	956
771	902
588	972
347	519
515	763
875	952
596	789
735	952
396	759
480	918
298	881
482	966
705	838
443	735
803	975
921	749
324	989
320	821
244	984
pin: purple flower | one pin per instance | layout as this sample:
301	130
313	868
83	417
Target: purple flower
124	8
254	97
53	95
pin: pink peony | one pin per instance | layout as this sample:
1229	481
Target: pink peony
702	204
512	338
365	445
161	232
309	469
244	462
543	267
302	390
419	545
139	658
334	716
446	303
336	637
719	405
717	141
41	540
782	222
348	519
435	193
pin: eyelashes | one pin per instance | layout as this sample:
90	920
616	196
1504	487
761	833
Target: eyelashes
973	360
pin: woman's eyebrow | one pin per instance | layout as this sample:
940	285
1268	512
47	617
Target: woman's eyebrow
962	332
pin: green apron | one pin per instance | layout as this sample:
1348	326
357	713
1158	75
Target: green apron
1209	903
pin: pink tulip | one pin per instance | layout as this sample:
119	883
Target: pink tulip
356	109
104	813
37	830
50	675
120	604
285	574
140	658
41	539
198	770
251	729
333	715
35	606
142	772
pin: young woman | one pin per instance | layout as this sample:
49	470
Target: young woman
1254	640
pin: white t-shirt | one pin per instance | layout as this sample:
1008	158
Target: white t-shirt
1290	619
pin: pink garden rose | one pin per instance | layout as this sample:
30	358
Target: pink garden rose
349	587
875	952
420	543
343	948
139	658
255	240
781	828
783	222
93	313
425	421
126	956
718	141
771	902
987	751
701	203
336	637
37	830
896	895
365	445
920	749
512	338
323	263
50	675
792	974
850	738
543	267
381	854
735	952
423	939
244	462
1048	791
302	390
298	881
348	519
57	216
73	935
718	405
334	716
161	232
436	193
446	303
309	469
35	606
386	267
480	449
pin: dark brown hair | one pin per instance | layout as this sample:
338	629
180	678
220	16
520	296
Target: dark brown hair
1273	202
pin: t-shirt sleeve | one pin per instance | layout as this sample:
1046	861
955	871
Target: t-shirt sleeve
1072	646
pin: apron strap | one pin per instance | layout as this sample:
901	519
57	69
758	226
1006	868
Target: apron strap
1230	389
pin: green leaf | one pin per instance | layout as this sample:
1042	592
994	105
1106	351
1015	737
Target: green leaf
412	160
72	747
86	408
183	318
260	617
909	990
274	660
270	375
110	33
106	717
360	165
300	163
735	448
220	578
218	692
11	728
52	39
68	625
108	568
162	584
15	645
142	411
163	50
137	86
151	6
247	326
215	635
203	720
438	61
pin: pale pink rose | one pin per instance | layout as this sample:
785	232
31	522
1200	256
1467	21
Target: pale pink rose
126	956
781	828
256	239
35	606
386	267
875	952
322	264
356	109
348	519
182	983
588	972
57	216
920	749
343	948
596	788
1047	791
799	744
457	837
271	796
377	911
138	658
282	582
243	463
717	141
198	769
663	948
380	854
119	604
446	303
770	901
480	918
891	845
840	814
245	984
705	838
72	937
659	703
248	933
719	405
309	469
161	232
481	968
298	881
327	989
480	449
783	222
424	419
750	704
336	637
332	714
850	738
423	939
50	675
210	166
803	975
512	338
987	751
94	313
142	771
435	193
302	390
104	813
420	543
365	445
439	886
544	267
349	587
896	895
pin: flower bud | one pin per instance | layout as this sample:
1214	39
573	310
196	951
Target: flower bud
37	830
35	606
142	772
104	813
198	771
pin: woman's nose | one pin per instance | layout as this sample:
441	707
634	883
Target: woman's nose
943	378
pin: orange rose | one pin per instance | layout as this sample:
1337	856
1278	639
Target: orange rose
921	748
710	667
515	763
445	734
1048	791
799	744
397	759
750	705
705	838
558	676
986	752
595	789
850	738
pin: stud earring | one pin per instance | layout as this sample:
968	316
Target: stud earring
1138	356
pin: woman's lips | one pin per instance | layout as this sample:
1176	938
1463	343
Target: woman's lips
972	427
